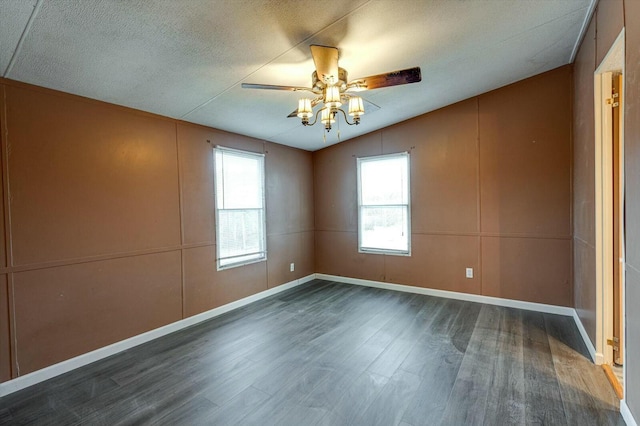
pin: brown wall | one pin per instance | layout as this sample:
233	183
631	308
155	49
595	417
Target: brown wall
606	24
490	189
107	227
108	224
584	237
609	19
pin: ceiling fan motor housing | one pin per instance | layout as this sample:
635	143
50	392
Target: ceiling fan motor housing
319	85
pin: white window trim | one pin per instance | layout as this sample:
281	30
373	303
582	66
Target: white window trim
359	160
262	258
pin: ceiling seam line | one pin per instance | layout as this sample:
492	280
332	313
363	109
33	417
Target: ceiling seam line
274	59
583	31
535	27
24	34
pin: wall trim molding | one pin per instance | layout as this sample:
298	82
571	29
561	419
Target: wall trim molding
51	371
510	303
583	30
54	370
626	414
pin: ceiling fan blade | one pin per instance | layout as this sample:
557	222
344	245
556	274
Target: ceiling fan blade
273	87
326	60
394	78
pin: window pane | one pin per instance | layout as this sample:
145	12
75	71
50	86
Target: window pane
238	181
384	181
240	218
384	228
239	232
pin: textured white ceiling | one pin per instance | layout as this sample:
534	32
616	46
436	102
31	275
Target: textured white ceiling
186	58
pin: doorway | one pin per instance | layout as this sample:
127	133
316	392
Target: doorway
610	224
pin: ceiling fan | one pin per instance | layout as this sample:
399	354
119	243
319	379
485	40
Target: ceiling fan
331	86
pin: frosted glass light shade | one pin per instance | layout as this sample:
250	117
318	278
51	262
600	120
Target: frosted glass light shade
304	108
332	97
327	116
356	106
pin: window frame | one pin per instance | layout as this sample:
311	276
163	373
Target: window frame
262	254
373	250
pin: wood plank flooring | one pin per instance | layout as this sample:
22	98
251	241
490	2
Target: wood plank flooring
335	354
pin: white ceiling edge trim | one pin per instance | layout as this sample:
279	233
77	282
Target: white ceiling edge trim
583	30
23	36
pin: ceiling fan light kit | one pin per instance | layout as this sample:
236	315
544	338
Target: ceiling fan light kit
332	97
329	83
356	107
304	109
328	118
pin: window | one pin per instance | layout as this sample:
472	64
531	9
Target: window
384	222
240	216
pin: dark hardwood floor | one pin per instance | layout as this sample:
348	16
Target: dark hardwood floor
336	354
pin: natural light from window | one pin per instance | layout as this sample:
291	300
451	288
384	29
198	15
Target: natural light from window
240	216
383	204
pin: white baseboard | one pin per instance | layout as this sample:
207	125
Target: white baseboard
84	359
530	306
89	357
626	414
597	358
510	303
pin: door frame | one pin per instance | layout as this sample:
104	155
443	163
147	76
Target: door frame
614	61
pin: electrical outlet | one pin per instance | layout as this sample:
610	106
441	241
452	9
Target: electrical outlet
469	272
292	267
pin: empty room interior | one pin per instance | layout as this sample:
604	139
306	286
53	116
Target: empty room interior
393	212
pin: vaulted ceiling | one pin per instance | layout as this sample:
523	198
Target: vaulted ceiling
186	59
